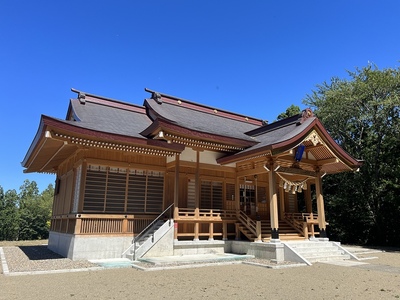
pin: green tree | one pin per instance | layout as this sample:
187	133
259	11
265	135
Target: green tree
8	215
290	111
35	211
362	115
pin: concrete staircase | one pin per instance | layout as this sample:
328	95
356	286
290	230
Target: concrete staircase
319	251
148	240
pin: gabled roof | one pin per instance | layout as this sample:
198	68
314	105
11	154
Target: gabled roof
214	123
287	134
96	121
107	115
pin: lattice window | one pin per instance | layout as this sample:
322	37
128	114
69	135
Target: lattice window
262	194
136	191
123	190
211	195
115	196
191	194
154	196
230	192
95	189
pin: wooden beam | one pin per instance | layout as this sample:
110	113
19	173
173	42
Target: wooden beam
249	172
54	155
203	166
311	161
296	171
328	161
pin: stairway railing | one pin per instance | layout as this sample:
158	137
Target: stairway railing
250	224
167	213
303	222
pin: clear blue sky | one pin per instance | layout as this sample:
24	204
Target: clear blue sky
251	57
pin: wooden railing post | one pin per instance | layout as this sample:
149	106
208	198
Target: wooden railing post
211	231
125	225
305	229
196	224
312	225
78	224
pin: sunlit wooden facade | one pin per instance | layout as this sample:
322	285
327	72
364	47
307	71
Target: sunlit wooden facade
228	176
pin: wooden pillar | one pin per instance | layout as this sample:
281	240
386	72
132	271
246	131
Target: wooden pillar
258	231
307	198
196	225
237	231
273	203
82	186
281	202
256	193
320	205
176	195
197	196
197	180
237	196
224	231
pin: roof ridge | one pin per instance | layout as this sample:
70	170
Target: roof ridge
160	97
82	97
298	118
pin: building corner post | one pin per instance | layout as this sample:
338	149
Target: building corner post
273	202
320	205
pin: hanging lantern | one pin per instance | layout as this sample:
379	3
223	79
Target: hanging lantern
285	185
281	183
299	190
304	187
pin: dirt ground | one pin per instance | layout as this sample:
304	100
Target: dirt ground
379	279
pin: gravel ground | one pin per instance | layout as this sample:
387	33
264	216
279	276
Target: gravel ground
379	279
39	258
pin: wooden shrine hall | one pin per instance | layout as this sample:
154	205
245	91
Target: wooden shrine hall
214	175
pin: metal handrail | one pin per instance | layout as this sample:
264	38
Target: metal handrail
151	226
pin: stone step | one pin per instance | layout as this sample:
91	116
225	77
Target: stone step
313	259
321	253
310	244
317	250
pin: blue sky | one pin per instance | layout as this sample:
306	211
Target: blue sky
251	57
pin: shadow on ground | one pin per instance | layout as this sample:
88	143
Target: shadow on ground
39	252
382	248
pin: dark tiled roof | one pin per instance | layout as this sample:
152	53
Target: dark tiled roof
109	118
201	121
273	134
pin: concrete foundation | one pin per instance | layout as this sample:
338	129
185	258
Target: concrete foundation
272	251
198	247
82	247
79	247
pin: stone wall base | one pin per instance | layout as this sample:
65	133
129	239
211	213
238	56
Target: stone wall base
82	247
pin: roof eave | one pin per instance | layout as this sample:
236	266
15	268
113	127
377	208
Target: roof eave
40	132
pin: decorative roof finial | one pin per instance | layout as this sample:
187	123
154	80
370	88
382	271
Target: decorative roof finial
157	96
81	97
305	114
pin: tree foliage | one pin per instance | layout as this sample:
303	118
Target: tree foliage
290	111
362	114
25	216
9	215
